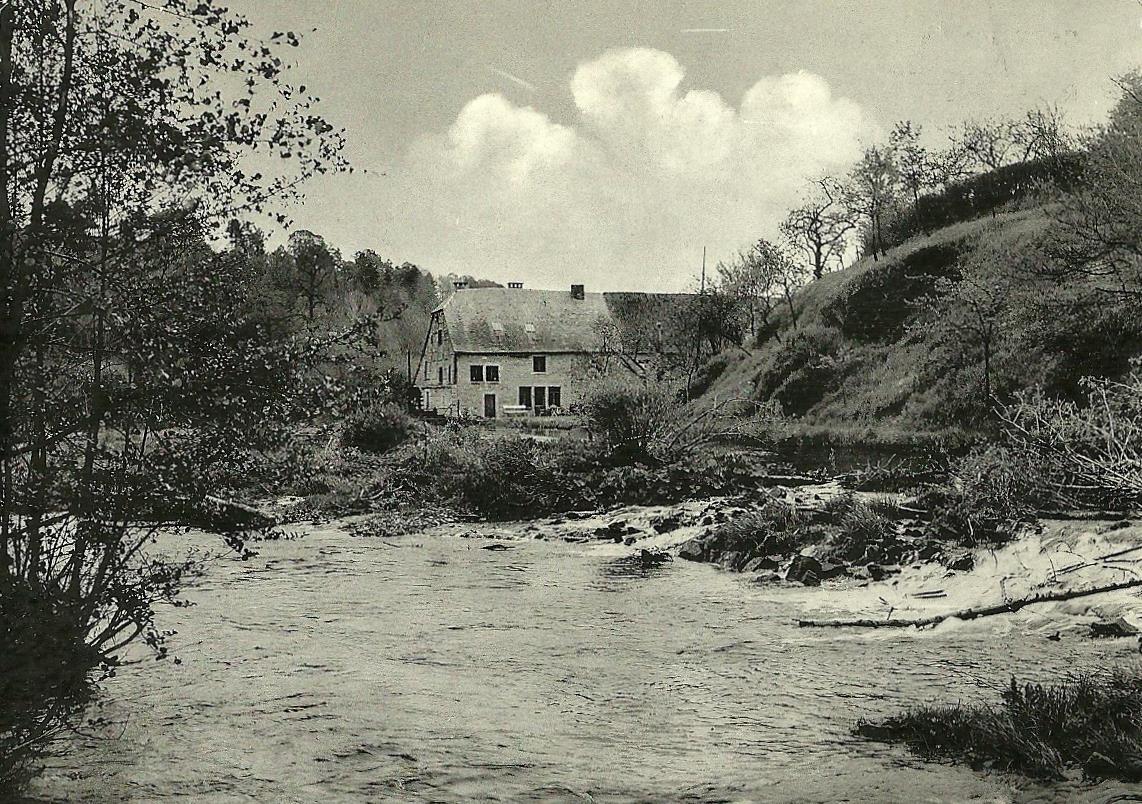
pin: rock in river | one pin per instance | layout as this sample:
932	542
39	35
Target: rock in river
806	570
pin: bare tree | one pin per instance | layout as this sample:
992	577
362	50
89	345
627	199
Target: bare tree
985	144
819	227
1042	134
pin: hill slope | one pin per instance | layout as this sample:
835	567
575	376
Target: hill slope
931	335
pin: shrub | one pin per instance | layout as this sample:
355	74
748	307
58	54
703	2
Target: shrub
801	370
1092	722
632	419
862	533
992	492
775	529
45	669
378	428
1088	454
861	311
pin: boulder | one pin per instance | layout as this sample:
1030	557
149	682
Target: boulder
876	572
962	563
829	570
804	569
766	577
732	559
666	524
629	540
760	563
693	550
928	551
1113	628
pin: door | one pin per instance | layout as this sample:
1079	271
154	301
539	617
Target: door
540	397
489	406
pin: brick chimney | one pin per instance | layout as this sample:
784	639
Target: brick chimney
577	292
515	285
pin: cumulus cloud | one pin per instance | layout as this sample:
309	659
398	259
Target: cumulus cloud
626	195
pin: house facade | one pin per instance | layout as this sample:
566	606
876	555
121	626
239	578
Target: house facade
495	352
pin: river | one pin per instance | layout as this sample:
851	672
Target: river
340	669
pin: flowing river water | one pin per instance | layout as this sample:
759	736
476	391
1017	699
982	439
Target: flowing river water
424	668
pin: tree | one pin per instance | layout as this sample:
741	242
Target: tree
314	270
985	144
761	280
870	193
126	342
1098	231
1041	134
917	167
968	314
819	227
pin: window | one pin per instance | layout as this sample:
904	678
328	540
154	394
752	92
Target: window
525	396
476	373
540	395
439	337
539	364
491	373
555	396
426	371
440	375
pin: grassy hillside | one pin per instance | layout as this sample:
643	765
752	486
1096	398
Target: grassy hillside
930	336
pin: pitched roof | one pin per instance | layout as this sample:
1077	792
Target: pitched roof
523	320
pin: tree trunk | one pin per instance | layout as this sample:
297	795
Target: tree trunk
9	326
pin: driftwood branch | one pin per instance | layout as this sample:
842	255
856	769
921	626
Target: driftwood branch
971	614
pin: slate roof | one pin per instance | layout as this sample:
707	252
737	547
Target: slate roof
518	320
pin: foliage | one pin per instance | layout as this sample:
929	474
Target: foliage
44	677
775	529
761	280
861	533
137	365
377	428
1088	453
992	492
980	195
631	419
800	368
1090	722
1097	235
871	193
859	309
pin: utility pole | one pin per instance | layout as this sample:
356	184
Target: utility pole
703	290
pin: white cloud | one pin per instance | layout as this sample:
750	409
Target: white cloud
625	197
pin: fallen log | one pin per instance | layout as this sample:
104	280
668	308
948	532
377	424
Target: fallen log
971	614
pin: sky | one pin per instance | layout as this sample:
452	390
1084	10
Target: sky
607	143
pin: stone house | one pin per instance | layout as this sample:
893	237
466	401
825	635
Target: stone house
494	352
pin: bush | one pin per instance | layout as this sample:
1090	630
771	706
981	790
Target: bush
862	311
991	493
378	428
45	683
1088	722
776	529
632	419
1089	454
802	370
863	533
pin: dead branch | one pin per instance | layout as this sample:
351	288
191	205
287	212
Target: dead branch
971	614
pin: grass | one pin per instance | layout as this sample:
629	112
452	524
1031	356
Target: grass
1090	723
